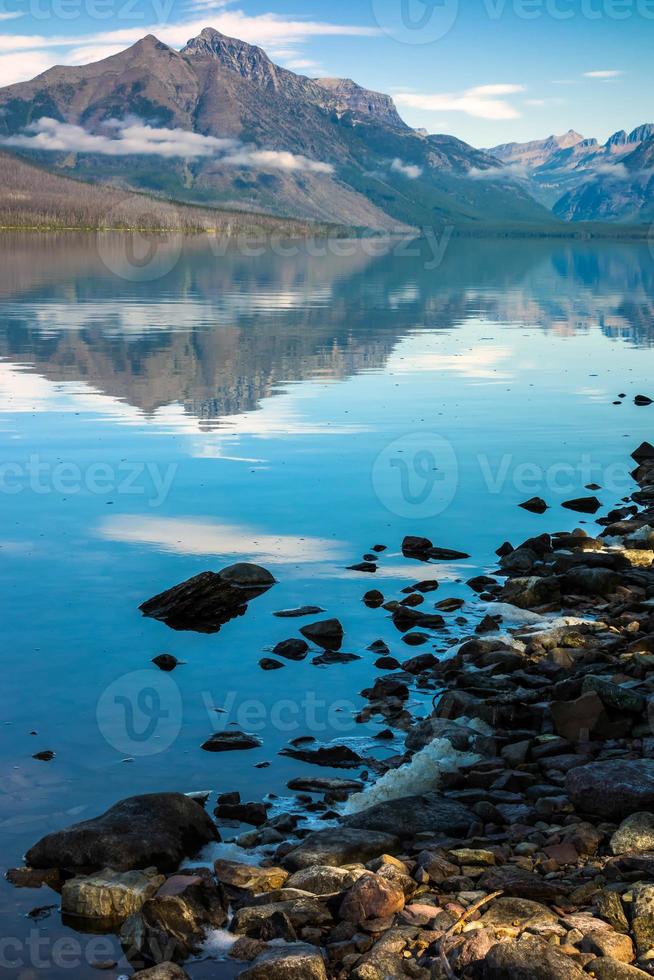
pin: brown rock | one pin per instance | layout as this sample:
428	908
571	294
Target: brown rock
371	897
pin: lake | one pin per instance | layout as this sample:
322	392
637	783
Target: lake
169	411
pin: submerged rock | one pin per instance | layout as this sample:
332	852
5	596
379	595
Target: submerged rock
231	742
157	829
535	505
292	649
207	601
327	633
298	612
583	505
338	756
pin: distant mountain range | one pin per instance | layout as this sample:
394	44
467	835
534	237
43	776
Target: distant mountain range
583	180
219	124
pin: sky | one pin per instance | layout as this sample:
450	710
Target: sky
487	71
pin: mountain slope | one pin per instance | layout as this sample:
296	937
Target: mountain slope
621	193
33	197
365	166
583	180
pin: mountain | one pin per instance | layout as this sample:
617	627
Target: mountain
324	149
583	180
537	152
620	193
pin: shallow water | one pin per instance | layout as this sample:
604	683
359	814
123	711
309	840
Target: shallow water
209	406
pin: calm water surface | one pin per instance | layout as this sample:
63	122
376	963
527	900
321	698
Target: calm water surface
291	410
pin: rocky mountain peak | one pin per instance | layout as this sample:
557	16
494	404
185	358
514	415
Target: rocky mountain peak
344	95
247	59
618	139
571	138
641	133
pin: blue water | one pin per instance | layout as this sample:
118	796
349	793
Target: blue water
292	410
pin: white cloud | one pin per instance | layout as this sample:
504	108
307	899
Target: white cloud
23	65
280	35
603	74
482	102
406	169
190	536
11	15
131	137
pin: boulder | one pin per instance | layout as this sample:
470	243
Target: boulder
338	846
516	882
156	829
606	968
532	592
293	961
529	959
164	971
301	912
642	917
634	835
371	897
207	601
109	895
183	909
248	877
322	879
517	912
411	815
614	789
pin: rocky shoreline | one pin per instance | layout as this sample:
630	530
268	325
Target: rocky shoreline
526	847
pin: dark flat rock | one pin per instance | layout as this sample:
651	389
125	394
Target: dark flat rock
613	789
299	611
325	784
583	505
156	829
231	741
413	815
207	601
338	846
326	633
338	756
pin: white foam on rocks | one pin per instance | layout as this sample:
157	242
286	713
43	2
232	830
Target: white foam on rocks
421	775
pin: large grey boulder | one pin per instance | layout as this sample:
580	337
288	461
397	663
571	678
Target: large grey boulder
529	959
613	789
293	961
339	846
635	835
153	830
111	895
411	815
207	601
